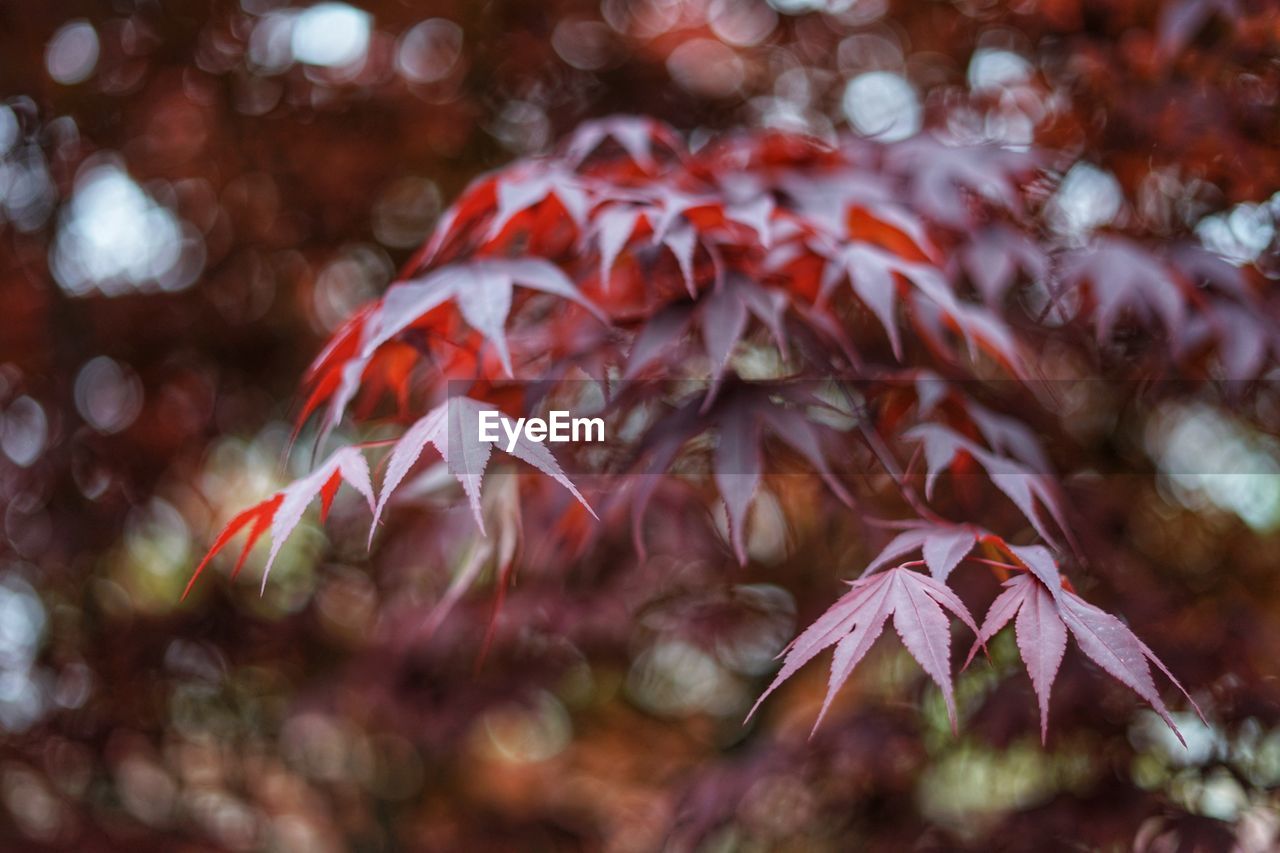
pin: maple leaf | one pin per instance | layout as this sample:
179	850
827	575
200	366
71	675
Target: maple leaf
518	191
483	292
682	221
453	429
1209	270
740	420
755	213
753	237
1245	339
1045	612
504	505
981	330
879	279
941	401
618	225
615	227
1041	634
871	272
822	201
994	256
915	601
636	135
283	510
1007	435
1121	277
1241	329
946	179
721	316
942	545
874	274
1026	488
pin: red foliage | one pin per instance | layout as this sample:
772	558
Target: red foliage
624	256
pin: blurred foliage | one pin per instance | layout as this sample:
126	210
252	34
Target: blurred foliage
195	193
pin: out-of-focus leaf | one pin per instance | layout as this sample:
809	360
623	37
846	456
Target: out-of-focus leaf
915	601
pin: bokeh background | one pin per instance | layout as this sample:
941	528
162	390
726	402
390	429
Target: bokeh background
193	193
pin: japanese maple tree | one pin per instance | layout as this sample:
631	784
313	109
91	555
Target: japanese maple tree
936	344
760	308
